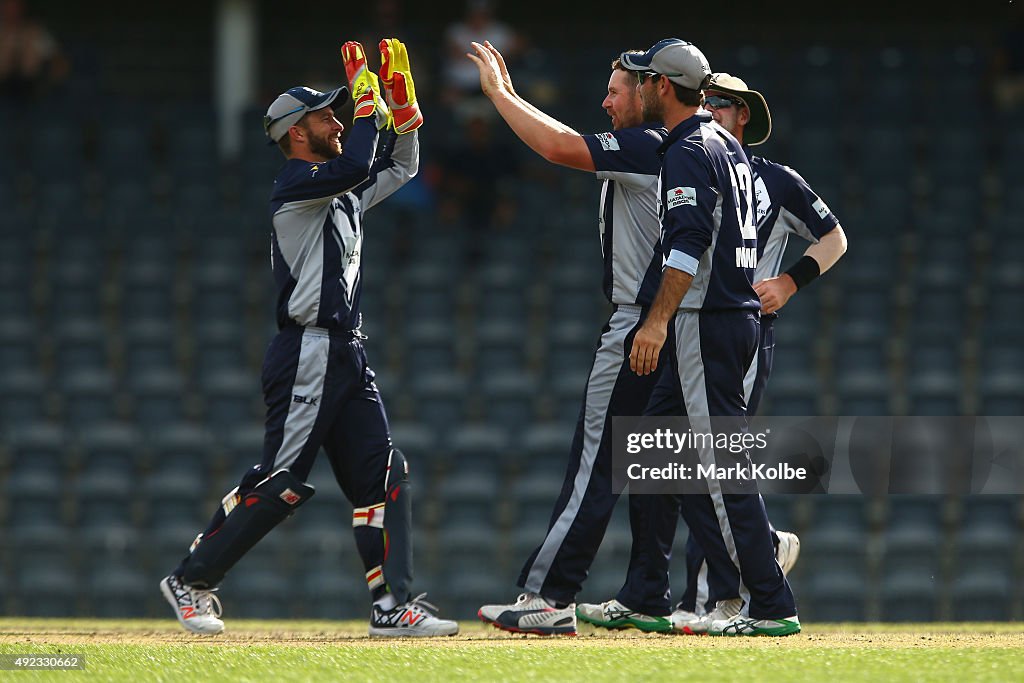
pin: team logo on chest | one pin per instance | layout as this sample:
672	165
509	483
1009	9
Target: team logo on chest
762	200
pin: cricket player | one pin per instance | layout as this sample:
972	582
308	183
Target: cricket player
626	160
317	384
709	313
785	205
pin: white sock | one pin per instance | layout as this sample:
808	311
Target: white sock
386	603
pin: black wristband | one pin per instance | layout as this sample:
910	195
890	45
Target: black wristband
803	271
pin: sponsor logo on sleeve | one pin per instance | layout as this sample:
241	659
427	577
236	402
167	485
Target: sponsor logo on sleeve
608	142
681	196
821	207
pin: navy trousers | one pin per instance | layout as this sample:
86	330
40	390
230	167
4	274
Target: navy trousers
319	393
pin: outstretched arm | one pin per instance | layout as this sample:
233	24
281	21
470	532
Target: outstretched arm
545	135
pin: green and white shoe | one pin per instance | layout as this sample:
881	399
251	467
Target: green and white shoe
614	615
740	625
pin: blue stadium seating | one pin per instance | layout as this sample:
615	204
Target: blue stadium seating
135	304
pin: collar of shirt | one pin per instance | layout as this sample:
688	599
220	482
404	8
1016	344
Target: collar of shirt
684	128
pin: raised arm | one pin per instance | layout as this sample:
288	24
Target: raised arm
545	135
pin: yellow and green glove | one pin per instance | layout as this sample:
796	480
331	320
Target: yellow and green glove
396	76
364	86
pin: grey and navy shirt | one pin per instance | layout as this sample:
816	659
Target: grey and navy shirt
628	162
317	212
707	215
786	205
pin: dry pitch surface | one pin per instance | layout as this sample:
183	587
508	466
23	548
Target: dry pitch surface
29	631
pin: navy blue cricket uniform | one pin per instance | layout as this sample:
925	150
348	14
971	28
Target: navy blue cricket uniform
317	384
707	193
628	163
785	205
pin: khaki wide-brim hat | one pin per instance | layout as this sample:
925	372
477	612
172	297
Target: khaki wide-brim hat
759	127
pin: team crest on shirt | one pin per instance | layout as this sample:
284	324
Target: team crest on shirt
608	142
681	196
313	169
761	199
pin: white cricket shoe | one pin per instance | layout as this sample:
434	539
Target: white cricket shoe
740	625
614	615
531	614
687	622
198	610
691	624
414	619
788	551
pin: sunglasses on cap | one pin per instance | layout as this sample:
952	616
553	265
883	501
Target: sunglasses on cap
719	102
642	76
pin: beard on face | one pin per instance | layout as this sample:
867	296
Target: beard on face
651	107
629	116
324	146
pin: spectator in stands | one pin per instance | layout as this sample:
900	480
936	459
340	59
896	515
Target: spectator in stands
31	61
474	173
461	79
1008	63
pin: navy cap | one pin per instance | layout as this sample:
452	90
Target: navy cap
292	105
681	62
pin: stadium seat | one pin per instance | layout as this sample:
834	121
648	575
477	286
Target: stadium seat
148	346
431	343
982	595
105	501
243	445
115	447
834	595
329	593
827	548
546	446
533	497
567	390
418	440
23	397
157	397
220	345
439	396
909	595
38	511
177	498
500	348
48	591
230	396
90	397
469	498
464	586
123	592
257	591
507	398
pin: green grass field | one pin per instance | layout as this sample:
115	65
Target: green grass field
340	651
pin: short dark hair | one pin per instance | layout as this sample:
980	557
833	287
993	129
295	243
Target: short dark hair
689	97
285	143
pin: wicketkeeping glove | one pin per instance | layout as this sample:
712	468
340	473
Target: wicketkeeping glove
364	86
396	76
